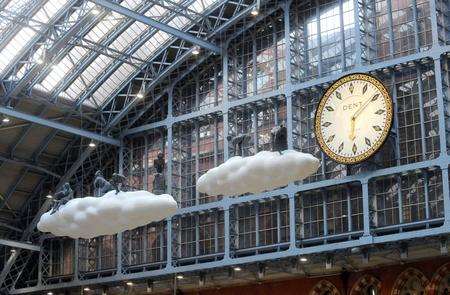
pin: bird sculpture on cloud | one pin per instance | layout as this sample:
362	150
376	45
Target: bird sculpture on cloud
109	214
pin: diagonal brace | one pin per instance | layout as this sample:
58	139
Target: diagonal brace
55	125
158	25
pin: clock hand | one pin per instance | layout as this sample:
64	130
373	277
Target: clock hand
352	129
362	107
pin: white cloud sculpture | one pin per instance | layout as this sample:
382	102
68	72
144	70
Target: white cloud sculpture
254	174
91	217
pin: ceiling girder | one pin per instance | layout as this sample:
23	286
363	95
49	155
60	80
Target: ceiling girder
52	124
29	165
21	245
158	25
221	28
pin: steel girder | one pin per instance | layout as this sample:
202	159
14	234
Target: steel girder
143	109
155	78
55	42
91	56
21	245
45	206
28	165
130	50
35	158
158	25
26	12
52	124
17	266
26	235
8	226
41	31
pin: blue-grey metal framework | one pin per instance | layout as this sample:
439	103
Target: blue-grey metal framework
179	246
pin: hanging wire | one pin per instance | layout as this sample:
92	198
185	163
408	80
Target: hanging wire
79	155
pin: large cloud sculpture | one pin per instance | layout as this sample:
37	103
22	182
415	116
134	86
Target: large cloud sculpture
91	217
261	172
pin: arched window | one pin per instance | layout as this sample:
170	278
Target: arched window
444	286
413	286
324	288
440	283
371	290
366	285
410	282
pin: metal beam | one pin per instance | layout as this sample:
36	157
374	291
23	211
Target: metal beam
60	43
158	25
150	86
44	207
28	165
11	227
21	245
55	125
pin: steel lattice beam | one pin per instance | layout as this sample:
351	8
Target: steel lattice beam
45	206
8	226
51	53
158	25
55	125
28	165
152	84
75	166
21	245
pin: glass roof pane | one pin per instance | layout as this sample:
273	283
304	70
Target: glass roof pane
14	46
122	43
115	79
123	73
13	7
77	14
97	34
63	68
26	34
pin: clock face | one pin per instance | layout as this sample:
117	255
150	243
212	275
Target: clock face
353	118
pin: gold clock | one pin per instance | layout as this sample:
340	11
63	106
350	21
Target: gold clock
353	118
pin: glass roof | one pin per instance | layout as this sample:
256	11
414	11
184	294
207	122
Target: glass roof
28	31
80	68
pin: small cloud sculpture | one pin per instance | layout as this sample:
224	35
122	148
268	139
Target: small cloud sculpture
254	174
90	217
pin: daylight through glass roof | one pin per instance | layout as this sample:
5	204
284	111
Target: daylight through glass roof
73	76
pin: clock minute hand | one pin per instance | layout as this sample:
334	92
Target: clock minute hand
364	105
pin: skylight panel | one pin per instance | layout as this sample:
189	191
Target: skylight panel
126	38
179	22
76	15
122	43
107	24
13	7
25	35
88	76
63	68
117	78
101	63
14	46
98	33
124	72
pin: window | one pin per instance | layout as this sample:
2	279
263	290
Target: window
322	38
395	28
328	212
413	286
256	60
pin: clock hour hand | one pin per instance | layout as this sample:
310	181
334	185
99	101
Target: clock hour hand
352	135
